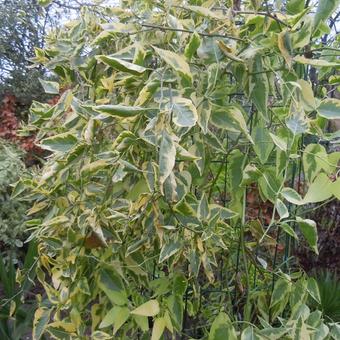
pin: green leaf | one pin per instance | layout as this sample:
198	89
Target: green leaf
184	112
203	210
167	157
249	334
320	190
93	167
59	143
289	230
251	174
281	291
329	108
281	209
259	87
150	308
158	328
209	51
204	112
142	322
315	158
324	10
222	328
184	208
116	316
60	328
269	184
192	46
279	142
41	319
111	284
175	61
122	65
302	37
50	87
263	144
313	289
336	188
120	110
213	141
292	196
295	6
184	154
169	249
230	117
225	213
175	307
309	231
44	3
274	333
297	122
179	284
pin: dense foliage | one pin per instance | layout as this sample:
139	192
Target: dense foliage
174	114
16	258
12	211
23	24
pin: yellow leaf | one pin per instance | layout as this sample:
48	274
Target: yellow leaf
228	52
316	62
150	308
65	326
158	328
37	207
108	83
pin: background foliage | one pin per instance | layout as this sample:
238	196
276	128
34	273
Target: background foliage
176	119
23	25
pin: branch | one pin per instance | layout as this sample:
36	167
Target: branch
80	5
164	28
266	14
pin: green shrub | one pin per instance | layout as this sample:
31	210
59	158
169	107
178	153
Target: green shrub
329	288
12	211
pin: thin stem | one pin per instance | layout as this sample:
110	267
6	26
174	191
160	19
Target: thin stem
244	257
166	28
266	14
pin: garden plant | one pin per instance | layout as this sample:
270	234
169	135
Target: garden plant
186	152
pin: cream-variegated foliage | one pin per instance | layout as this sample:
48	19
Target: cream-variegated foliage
170	111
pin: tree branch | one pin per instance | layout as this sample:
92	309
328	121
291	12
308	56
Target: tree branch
165	28
266	14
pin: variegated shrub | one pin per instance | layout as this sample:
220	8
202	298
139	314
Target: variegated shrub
172	113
